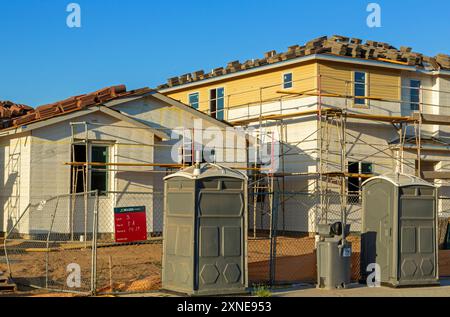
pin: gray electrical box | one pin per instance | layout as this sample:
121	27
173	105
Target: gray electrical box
205	231
399	226
334	255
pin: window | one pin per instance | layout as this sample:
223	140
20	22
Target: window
354	183
414	95
194	100
360	88
78	173
217	103
98	175
287	81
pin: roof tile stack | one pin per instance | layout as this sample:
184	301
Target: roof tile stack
334	45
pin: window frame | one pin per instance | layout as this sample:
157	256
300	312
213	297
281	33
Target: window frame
88	173
217	115
350	194
366	104
411	89
289	82
198	99
108	160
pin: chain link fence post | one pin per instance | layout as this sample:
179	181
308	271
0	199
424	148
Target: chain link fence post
94	246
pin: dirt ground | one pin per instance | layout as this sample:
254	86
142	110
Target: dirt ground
125	268
295	261
137	268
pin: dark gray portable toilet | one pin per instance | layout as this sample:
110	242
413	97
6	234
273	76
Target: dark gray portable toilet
205	231
399	226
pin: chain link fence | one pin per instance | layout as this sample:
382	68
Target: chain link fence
129	266
52	238
69	243
283	250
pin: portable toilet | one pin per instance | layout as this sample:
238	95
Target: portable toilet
205	231
399	230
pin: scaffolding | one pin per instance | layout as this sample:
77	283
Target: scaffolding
332	173
332	129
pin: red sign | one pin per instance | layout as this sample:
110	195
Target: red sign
130	224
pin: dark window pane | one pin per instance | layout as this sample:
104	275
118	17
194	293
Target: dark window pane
99	178
353	167
212	102
415	94
220	104
194	100
220	93
353	182
78	172
360	88
366	168
287	80
99	181
360	77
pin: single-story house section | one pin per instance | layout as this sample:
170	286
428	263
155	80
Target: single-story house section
121	143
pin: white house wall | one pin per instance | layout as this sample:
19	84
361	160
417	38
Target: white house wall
50	149
15	177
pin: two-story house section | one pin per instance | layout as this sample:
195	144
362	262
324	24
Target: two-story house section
344	110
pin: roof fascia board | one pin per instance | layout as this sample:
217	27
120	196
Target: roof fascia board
323	57
118	115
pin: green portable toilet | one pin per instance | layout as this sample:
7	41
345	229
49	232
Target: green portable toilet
399	230
205	231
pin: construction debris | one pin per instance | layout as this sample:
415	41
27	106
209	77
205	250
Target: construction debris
6	285
334	45
15	115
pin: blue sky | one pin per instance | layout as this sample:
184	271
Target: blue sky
143	42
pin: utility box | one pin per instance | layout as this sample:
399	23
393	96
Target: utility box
205	231
399	230
334	255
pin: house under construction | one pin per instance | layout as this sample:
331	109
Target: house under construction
117	142
343	109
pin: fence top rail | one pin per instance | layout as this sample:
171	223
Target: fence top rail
134	193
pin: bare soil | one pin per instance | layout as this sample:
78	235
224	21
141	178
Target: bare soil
137	268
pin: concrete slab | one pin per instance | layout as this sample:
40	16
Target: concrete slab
357	290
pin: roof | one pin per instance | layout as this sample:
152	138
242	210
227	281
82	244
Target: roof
26	115
400	180
82	112
335	45
14	116
208	170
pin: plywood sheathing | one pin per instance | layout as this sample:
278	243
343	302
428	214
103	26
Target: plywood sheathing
15	115
334	45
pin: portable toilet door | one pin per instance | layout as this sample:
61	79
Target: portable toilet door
205	250
400	230
418	262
